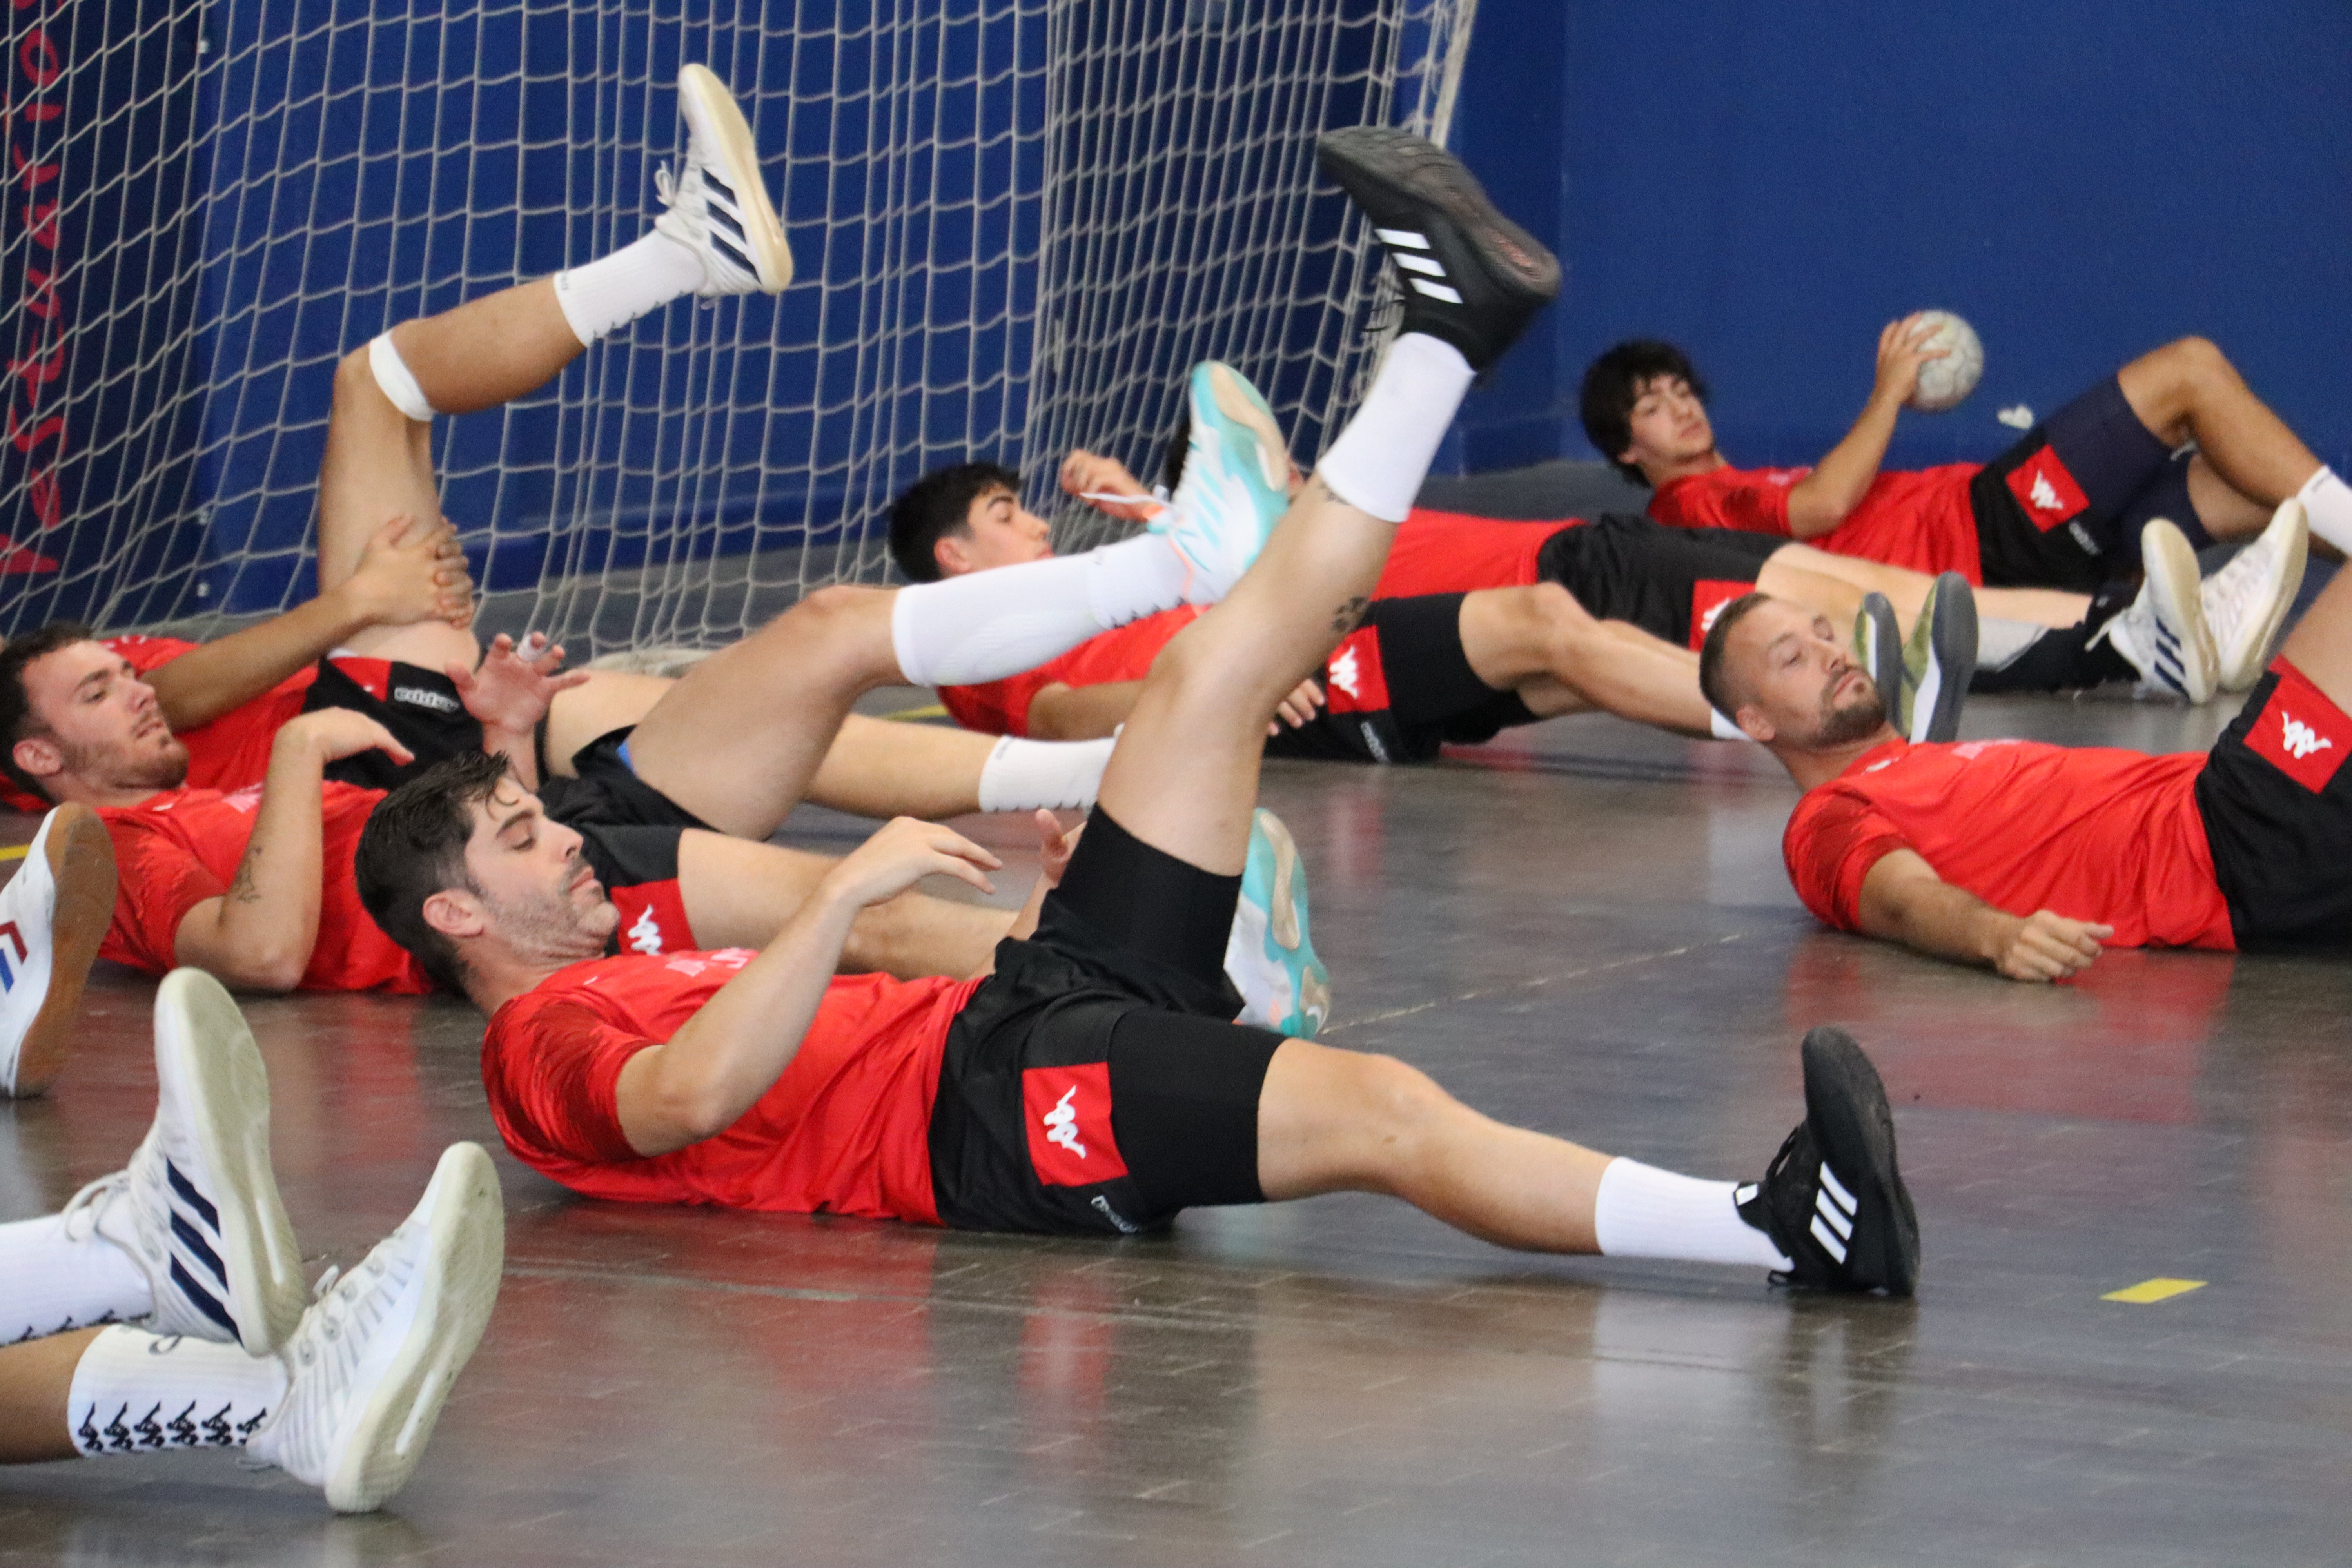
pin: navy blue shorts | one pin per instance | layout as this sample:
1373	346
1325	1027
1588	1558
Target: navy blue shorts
2064	506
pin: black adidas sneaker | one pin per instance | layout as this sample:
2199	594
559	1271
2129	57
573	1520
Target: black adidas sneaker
1471	276
1834	1201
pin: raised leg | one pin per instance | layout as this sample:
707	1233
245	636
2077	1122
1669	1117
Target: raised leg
2188	390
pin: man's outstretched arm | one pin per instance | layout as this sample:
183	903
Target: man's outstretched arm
1820	500
409	572
1904	900
701	1081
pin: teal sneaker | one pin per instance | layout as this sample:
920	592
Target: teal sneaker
1271	957
1237	483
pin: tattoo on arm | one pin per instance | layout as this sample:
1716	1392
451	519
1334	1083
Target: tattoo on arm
1350	615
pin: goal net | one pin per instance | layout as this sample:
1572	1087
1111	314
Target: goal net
1015	221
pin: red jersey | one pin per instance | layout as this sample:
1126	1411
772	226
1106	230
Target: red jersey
1125	653
1452	552
1919	518
2088	832
178	848
846	1129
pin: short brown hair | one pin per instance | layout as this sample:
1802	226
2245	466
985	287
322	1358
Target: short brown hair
415	845
18	720
1714	680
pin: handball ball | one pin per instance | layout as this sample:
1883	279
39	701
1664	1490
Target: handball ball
1944	383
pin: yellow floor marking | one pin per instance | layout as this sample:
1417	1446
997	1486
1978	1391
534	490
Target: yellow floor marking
14	852
2157	1289
934	711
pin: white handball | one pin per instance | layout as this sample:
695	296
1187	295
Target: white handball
1946	383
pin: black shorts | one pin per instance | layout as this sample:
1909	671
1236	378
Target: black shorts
1398	687
1670	581
2064	506
629	832
1094	1085
419	706
2277	803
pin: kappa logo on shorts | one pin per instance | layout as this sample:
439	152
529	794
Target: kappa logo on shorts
1353	680
2300	733
2047	490
426	697
1708	596
1067	1112
652	917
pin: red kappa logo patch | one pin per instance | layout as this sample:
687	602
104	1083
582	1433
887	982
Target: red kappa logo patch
2047	490
1353	681
1068	1110
2299	732
1708	596
652	917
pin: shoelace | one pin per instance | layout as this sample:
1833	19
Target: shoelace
81	1212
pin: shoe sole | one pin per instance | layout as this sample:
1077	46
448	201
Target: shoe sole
1240	402
1288	925
1883	659
1853	1131
2242	664
1951	659
2171	567
712	113
456	1287
206	1060
1376	164
74	844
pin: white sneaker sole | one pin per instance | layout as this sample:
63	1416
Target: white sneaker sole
2242	662
2171	567
455	1285
75	853
713	116
206	1063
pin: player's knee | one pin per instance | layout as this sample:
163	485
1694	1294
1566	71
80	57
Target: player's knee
355	383
2198	361
1398	1105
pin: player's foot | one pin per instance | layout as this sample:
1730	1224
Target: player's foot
1938	660
375	1357
1271	957
1237	482
2244	602
2163	634
53	915
1471	276
718	206
1878	648
1834	1201
198	1208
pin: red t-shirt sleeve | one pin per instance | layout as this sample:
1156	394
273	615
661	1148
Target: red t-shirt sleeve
998	707
1757	501
159	880
145	653
1833	840
561	1093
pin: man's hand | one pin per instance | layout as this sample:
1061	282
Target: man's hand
510	690
1090	477
331	734
411	571
903	853
1298	709
2045	946
1901	352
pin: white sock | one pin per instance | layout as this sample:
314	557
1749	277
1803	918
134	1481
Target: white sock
51	1281
985	626
1380	459
635	280
1724	728
2001	643
1644	1212
1022	775
2327	500
135	1393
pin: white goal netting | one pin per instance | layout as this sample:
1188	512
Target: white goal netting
1015	221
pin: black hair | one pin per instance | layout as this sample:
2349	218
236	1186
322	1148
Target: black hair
1613	384
414	846
1714	682
937	505
18	720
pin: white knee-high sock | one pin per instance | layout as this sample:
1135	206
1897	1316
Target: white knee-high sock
985	626
1380	459
1022	775
635	280
1644	1212
2328	502
52	1280
133	1393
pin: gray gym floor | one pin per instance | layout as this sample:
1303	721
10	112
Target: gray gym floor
1584	929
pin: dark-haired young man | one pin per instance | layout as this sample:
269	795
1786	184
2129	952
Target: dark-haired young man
1092	1085
2063	508
2029	857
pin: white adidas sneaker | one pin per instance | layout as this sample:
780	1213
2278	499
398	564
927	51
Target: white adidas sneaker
375	1357
718	205
2163	634
2245	601
53	915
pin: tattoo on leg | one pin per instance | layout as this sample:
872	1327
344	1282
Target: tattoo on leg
1350	615
1323	491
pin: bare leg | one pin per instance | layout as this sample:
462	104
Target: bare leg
1907	590
2226	512
36	1385
1539	638
2321	644
612	699
1824	592
879	767
2188	390
740	894
1332	1121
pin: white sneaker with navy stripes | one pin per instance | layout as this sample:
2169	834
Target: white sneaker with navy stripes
718	205
2163	635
